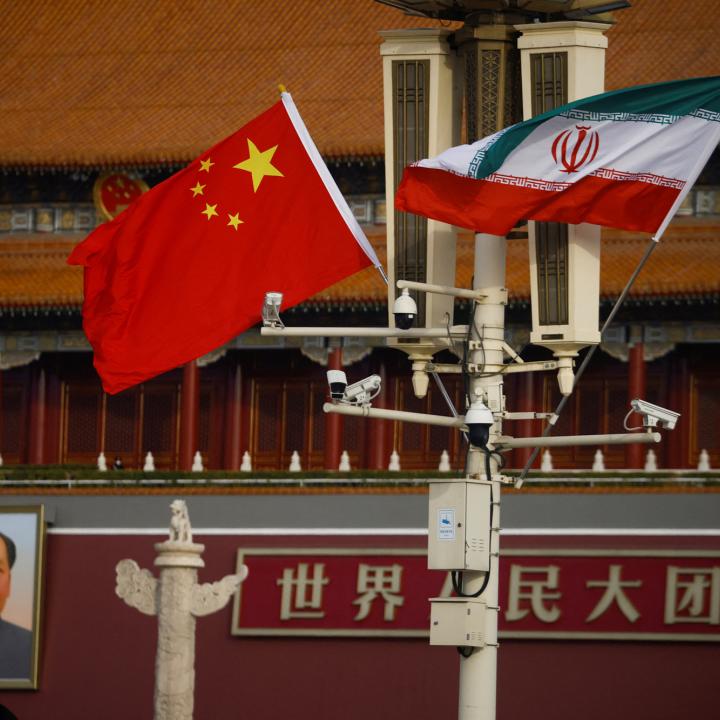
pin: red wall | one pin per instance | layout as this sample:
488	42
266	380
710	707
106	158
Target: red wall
98	657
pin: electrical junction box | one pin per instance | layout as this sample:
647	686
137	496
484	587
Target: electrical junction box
457	621
459	526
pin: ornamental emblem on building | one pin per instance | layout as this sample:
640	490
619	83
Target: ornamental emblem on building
573	148
113	193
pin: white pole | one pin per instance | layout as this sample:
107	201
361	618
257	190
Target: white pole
382	332
402	415
478	672
636	438
439	289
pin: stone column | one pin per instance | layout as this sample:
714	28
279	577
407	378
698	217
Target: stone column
177	599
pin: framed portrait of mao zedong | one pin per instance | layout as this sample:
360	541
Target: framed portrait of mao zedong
22	543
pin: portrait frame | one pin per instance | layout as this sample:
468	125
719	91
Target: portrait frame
21	600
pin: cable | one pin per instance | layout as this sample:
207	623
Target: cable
481	337
466	345
451	342
448	400
444	392
630	412
481	340
456	576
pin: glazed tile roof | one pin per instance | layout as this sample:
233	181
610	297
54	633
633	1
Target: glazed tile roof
88	82
34	273
134	82
669	40
685	264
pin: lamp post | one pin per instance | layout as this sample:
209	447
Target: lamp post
422	75
478	670
564	282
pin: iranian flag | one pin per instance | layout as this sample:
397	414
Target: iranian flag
623	159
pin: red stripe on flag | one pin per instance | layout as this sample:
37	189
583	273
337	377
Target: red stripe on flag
494	208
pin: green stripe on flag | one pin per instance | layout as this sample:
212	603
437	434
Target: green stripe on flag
660	102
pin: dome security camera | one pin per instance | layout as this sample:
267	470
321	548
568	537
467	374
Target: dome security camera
479	420
404	310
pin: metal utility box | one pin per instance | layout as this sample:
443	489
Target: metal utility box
459	539
457	621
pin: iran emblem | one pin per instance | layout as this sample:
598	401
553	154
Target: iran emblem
575	147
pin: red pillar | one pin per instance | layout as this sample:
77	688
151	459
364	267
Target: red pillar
525	428
677	441
233	418
333	421
189	414
635	454
38	416
378	431
53	416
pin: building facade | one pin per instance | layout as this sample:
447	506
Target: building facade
265	397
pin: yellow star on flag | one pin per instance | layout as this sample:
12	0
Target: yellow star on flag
259	164
209	210
198	189
234	220
206	165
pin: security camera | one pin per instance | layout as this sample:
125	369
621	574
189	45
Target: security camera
359	393
337	380
404	310
271	310
479	420
654	415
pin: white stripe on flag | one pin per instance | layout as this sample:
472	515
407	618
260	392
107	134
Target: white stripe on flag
629	147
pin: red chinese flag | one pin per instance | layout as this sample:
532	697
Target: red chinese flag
186	267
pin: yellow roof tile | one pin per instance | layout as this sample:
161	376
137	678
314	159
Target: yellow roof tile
136	82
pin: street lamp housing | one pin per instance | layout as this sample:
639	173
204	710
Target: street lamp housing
564	290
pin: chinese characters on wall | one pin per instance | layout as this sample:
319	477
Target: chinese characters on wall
615	594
